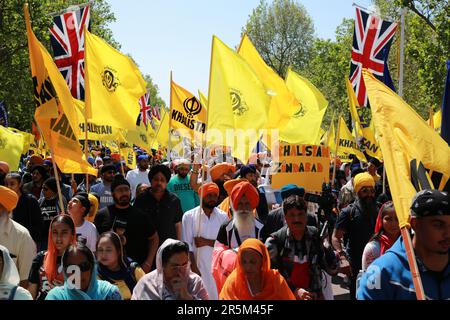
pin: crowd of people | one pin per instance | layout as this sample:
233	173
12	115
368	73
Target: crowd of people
183	231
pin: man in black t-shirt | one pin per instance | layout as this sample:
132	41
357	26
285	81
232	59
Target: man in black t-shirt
162	206
134	227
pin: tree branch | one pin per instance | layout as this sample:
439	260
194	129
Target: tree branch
410	5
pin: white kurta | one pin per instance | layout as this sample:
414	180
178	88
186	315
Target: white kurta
197	224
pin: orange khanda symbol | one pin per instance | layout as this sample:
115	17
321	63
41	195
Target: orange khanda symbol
192	107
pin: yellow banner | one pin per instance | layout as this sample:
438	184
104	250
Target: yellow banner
127	154
304	165
55	109
415	156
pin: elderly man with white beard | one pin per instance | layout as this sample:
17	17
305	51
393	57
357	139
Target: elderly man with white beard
244	199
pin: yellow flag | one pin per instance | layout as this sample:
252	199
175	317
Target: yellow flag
283	104
97	132
363	123
28	139
304	125
435	121
237	102
415	156
203	99
55	110
127	154
187	114
347	143
11	147
113	85
162	135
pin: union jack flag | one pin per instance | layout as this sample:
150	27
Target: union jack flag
67	40
146	112
156	112
372	39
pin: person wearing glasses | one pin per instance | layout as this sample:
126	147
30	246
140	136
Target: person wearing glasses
357	222
173	278
80	278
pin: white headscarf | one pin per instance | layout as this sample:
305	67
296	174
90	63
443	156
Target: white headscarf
159	265
9	275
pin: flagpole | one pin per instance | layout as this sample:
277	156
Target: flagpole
336	150
121	164
169	146
420	294
402	50
55	171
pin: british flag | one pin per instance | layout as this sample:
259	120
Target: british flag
146	112
372	39
67	40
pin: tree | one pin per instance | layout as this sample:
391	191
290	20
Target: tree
155	99
283	33
427	47
16	86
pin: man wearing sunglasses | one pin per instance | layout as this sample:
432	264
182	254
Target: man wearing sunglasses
103	189
357	223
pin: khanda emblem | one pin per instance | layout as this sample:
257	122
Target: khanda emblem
109	79
300	112
192	107
238	105
423	178
365	116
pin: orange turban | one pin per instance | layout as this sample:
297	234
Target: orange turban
229	185
4	167
220	169
8	198
36	159
246	189
208	188
115	156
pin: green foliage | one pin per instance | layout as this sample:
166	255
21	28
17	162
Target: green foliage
155	99
16	86
283	33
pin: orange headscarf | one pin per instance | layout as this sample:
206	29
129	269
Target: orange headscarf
50	267
247	189
221	168
274	286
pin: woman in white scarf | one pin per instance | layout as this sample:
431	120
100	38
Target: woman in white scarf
9	279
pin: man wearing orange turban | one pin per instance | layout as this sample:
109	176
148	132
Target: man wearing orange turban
228	186
244	199
199	230
14	236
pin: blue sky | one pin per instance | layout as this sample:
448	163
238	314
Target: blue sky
176	34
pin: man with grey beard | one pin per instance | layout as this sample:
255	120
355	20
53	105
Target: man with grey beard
357	222
244	199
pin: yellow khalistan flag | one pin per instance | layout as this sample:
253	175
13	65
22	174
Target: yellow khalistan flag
364	126
55	110
162	135
187	113
283	104
237	102
410	148
346	143
304	125
11	147
113	85
97	132
203	99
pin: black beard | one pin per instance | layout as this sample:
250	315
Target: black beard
209	206
369	206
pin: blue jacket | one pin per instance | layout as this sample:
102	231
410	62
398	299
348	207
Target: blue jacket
389	278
